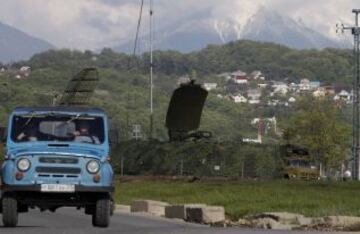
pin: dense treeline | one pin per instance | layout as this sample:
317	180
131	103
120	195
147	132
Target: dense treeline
275	61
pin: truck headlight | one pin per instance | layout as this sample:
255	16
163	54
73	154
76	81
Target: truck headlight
93	166
23	164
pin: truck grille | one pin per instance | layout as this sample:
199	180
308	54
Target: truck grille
58	170
58	160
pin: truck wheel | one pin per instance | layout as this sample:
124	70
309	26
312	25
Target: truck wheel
10	211
101	215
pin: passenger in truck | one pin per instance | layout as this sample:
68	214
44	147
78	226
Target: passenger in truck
83	134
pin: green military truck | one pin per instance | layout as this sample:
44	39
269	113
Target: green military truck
298	163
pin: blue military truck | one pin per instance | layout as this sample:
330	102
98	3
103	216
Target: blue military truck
57	157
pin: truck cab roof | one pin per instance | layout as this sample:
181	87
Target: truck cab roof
60	109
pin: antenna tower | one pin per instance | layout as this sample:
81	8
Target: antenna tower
355	30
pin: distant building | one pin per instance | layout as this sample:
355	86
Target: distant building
280	88
210	86
314	85
329	90
304	85
344	96
254	96
183	80
274	102
292	100
257	75
262	85
239	77
25	71
254	101
319	92
225	75
239	99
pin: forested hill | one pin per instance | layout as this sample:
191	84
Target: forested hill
123	90
275	61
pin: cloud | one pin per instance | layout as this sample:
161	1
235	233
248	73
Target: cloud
93	24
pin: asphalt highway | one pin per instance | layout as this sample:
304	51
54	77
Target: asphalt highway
70	220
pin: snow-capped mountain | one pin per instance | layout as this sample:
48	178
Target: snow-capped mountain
270	26
264	25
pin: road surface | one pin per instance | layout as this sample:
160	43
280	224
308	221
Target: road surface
70	220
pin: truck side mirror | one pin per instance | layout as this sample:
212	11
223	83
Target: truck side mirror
113	137
3	134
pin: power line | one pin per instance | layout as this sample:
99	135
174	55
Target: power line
138	27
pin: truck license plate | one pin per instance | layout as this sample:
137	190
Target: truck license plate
58	188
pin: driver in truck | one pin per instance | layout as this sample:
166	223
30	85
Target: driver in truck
30	134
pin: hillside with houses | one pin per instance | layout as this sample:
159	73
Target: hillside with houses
255	89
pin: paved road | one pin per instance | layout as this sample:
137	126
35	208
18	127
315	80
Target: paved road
70	220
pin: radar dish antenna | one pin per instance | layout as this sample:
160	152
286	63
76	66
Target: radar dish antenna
80	88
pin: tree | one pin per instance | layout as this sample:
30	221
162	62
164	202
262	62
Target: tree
317	125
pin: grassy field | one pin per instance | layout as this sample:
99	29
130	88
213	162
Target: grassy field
249	197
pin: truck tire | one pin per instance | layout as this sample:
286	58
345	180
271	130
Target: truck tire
9	211
101	215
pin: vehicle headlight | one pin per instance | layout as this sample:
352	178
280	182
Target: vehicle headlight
23	164
93	166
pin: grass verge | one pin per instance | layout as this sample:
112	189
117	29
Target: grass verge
242	198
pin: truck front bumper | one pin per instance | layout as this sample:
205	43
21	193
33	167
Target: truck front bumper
37	188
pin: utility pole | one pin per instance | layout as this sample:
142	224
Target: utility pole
151	73
355	30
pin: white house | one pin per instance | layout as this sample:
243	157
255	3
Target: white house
254	101
304	85
25	71
293	87
254	96
320	92
273	102
239	99
262	85
292	100
210	86
345	95
225	75
280	88
257	75
183	80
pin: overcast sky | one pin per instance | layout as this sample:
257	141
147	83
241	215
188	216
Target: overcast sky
90	24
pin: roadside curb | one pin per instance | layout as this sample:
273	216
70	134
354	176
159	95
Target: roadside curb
202	214
192	213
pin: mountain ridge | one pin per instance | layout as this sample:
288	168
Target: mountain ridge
202	30
17	45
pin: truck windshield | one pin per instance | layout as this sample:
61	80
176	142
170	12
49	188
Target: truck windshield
76	128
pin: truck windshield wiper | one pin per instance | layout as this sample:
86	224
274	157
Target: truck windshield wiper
29	120
69	121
